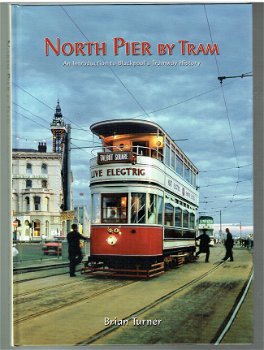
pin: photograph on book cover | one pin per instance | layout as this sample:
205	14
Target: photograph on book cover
132	180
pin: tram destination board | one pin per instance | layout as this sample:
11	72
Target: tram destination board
115	157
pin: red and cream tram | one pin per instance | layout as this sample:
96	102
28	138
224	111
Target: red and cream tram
144	196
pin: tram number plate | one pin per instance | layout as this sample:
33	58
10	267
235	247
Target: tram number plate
115	157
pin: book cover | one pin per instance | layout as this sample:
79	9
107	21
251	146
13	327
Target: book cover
133	122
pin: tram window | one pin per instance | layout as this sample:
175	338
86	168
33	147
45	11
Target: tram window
168	215
152	208
172	160
114	208
192	220
167	155
178	217
185	218
179	165
95	208
187	173
206	220
138	208
108	147
193	179
141	148
160	209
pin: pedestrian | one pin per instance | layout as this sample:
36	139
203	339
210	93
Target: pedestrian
204	245
229	243
74	248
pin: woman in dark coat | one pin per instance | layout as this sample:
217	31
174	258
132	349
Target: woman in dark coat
229	242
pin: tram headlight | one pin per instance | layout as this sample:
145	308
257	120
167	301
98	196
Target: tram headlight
111	240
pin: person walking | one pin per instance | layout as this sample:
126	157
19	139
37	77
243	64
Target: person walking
204	245
74	248
229	243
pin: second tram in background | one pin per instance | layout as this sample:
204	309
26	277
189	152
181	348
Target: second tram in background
144	199
207	223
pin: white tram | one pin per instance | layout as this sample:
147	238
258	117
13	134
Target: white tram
144	196
206	223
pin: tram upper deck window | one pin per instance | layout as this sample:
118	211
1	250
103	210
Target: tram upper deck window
168	215
167	155
179	166
108	146
172	163
141	148
193	178
187	173
138	208
114	208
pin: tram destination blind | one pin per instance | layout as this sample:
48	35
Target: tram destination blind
115	157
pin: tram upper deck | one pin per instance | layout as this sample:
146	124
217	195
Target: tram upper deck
141	151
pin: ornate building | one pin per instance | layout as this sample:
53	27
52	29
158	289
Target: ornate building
41	186
36	193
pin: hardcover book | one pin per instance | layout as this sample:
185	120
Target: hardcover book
132	129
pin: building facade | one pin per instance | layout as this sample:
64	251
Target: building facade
36	193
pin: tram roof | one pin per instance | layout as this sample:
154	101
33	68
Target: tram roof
125	126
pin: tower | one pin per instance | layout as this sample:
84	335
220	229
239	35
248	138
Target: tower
58	129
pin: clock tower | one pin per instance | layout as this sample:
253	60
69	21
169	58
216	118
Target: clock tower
58	129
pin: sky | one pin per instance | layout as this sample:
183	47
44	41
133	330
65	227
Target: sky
184	96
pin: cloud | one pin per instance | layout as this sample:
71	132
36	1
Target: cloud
185	101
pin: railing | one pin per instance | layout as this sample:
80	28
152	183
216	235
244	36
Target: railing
136	150
32	251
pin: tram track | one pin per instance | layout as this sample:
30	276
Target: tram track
18	270
110	329
39	269
227	324
71	303
203	296
21	295
41	277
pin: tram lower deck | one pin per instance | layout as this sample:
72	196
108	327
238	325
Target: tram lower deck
125	246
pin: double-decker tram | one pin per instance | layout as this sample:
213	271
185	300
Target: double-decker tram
144	199
206	223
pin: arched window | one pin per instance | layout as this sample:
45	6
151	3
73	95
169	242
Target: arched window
44	168
36	228
27	201
28	183
37	203
29	168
